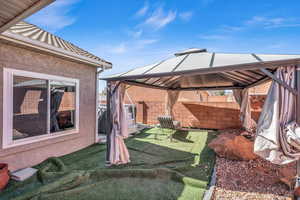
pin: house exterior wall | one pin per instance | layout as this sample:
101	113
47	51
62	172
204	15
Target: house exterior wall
34	153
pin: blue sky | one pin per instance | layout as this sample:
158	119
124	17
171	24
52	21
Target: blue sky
134	33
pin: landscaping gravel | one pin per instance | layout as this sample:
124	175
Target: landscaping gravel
243	180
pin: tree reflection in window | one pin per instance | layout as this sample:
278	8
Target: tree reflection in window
30	99
62	104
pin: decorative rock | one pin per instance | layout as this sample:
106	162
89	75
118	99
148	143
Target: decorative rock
233	147
287	176
255	179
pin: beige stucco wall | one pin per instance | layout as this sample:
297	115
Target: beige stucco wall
34	153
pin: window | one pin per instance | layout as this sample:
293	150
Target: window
38	106
130	111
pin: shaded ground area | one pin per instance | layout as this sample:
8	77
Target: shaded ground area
159	169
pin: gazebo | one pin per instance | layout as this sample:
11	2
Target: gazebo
198	69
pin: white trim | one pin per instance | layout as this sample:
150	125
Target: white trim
77	108
48	106
7	107
39	138
7	134
40	75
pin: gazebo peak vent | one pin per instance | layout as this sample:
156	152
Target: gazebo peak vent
190	51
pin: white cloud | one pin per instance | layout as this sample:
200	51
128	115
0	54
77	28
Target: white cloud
186	16
56	16
145	42
130	46
213	37
119	49
159	18
261	22
227	28
258	20
276	22
291	25
135	34
142	11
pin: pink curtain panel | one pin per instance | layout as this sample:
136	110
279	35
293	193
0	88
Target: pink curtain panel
243	99
118	151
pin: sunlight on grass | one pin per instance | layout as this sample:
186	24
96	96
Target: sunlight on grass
159	169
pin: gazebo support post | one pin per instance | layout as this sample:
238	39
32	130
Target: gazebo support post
274	78
108	121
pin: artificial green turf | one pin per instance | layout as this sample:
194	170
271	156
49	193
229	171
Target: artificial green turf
159	169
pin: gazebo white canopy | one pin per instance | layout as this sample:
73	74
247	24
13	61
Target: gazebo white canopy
197	69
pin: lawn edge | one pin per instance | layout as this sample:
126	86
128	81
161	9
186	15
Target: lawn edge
209	193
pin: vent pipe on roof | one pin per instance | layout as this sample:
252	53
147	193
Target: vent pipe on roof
190	51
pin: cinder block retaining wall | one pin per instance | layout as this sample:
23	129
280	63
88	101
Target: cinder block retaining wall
196	109
213	115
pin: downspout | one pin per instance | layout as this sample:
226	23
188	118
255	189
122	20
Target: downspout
98	71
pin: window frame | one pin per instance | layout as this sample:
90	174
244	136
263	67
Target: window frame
7	134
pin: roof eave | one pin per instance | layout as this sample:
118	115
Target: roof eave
17	39
29	11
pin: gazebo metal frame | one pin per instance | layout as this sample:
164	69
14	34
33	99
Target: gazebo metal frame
242	76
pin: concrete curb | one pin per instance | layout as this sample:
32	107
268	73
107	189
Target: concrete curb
208	194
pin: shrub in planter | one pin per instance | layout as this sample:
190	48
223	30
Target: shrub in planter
4	175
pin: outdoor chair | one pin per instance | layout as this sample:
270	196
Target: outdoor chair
166	122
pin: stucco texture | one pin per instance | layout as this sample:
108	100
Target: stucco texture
28	60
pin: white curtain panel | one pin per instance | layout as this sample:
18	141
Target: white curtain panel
243	99
275	131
